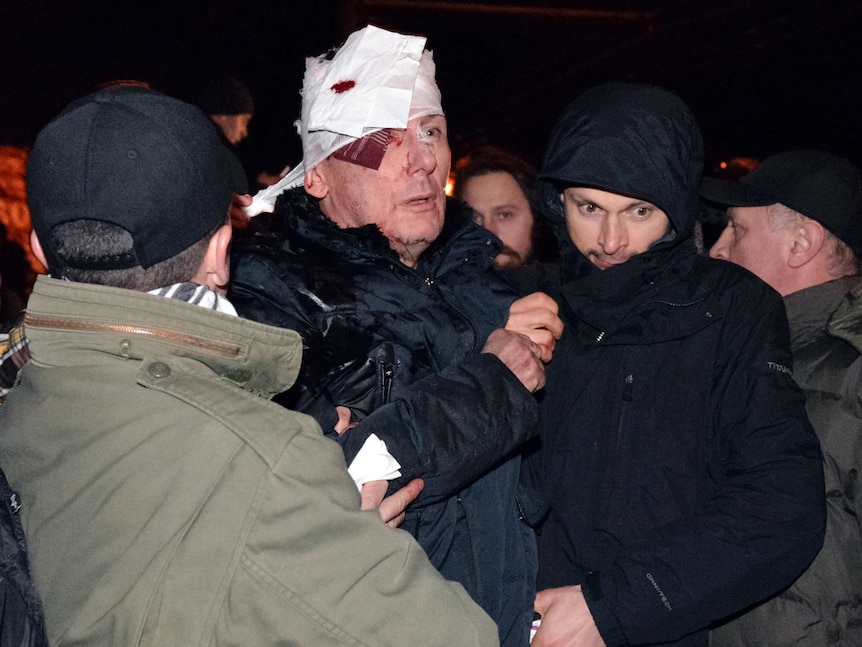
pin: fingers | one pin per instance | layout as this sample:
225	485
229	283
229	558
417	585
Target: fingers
544	339
536	316
243	200
392	507
535	301
238	218
520	355
543	601
343	423
372	494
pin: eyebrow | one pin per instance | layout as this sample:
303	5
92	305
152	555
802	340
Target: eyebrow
637	203
642	203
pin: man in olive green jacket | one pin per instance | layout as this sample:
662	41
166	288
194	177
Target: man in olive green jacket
796	222
165	500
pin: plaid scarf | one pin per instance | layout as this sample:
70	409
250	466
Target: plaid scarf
14	353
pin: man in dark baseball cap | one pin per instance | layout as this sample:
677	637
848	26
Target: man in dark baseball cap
812	188
796	221
165	500
124	180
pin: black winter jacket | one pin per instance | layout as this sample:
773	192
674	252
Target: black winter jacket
824	606
401	348
683	477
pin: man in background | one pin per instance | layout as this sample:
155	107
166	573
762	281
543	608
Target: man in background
229	104
502	190
796	222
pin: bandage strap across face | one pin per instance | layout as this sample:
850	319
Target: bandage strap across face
378	80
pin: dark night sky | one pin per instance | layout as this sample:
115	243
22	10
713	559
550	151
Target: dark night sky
761	75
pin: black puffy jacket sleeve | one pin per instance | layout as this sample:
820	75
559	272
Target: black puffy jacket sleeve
449	427
452	427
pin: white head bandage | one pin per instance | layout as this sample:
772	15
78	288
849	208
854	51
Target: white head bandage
378	79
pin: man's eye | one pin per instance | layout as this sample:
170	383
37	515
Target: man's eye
504	215
588	207
643	212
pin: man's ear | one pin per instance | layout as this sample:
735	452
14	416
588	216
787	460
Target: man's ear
36	246
806	243
214	271
316	184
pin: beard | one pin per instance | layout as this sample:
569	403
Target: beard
508	258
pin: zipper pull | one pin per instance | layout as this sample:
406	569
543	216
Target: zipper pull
385	371
627	392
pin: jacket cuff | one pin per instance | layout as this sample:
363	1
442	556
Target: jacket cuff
596	590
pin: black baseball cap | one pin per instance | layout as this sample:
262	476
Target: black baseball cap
135	158
819	185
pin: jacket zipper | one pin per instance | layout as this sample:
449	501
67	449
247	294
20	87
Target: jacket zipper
627	397
63	323
627	392
385	371
688	304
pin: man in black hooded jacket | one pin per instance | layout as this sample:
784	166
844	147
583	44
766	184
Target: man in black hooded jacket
683	477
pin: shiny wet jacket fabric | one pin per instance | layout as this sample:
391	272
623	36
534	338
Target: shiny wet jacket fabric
401	348
683	476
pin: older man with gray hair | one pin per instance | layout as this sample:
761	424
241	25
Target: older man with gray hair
417	358
796	222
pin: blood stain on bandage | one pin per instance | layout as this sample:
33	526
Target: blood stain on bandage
343	86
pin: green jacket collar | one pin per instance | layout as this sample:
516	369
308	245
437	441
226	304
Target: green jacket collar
65	318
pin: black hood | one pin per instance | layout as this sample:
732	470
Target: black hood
633	140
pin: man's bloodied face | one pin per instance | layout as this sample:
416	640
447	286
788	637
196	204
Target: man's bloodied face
405	197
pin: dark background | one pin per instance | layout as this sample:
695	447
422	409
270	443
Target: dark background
761	75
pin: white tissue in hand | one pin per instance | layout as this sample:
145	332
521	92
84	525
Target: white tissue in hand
373	463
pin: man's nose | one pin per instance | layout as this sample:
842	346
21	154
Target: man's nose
421	153
720	248
613	236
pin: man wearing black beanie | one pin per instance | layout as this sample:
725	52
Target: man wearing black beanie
228	102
